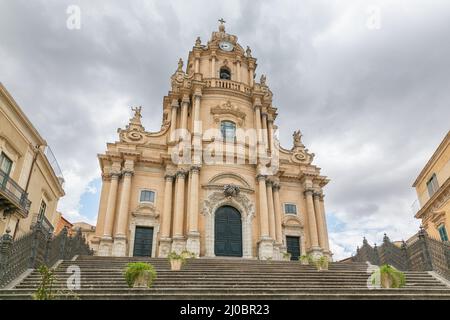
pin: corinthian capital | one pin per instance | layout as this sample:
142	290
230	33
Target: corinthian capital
261	177
127	172
115	175
309	192
181	174
195	169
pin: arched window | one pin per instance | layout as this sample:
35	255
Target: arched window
225	73
228	129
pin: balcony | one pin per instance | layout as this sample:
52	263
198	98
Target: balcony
228	84
13	199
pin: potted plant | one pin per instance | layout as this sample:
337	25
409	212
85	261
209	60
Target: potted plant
321	263
140	275
389	277
287	256
176	261
187	254
305	259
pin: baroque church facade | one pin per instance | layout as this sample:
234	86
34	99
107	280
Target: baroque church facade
214	180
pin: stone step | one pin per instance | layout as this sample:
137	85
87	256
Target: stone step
183	275
259	291
102	278
243	296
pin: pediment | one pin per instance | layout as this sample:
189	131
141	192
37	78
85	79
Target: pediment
222	179
292	221
146	209
230	110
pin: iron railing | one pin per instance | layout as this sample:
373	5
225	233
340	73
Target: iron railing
36	248
54	164
14	193
422	253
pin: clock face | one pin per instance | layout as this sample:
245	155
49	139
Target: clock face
226	46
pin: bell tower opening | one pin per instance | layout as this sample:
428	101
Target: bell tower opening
225	73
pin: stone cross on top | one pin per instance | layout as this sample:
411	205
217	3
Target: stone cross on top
222	25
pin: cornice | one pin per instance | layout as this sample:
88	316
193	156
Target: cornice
440	197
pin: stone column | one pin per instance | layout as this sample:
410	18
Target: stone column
120	239
251	76
319	220
165	240
278	216
193	242
312	224
271	212
326	246
105	246
270	134
265	242
270	208
179	243
173	121
196	118
197	64
265	138
184	112
257	106
213	65
238	70
106	181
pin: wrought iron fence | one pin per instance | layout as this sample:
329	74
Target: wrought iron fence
36	248
423	253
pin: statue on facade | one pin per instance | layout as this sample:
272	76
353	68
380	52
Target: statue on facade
298	139
180	65
248	52
198	42
263	80
137	113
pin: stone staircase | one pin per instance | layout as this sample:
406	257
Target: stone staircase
102	278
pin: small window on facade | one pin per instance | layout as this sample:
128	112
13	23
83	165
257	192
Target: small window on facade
42	210
443	233
225	74
5	164
228	130
290	208
432	185
147	196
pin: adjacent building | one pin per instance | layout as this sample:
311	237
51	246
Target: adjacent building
433	191
214	179
63	223
31	183
87	230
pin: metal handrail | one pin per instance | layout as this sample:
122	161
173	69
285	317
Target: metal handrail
10	187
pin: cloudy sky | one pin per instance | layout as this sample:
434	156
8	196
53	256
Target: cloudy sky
367	83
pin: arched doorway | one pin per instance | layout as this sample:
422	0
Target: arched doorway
228	232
